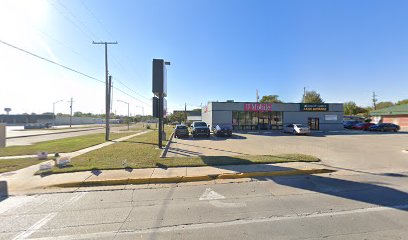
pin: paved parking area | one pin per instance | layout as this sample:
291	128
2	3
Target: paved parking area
344	149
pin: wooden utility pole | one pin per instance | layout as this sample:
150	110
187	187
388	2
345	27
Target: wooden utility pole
375	101
108	89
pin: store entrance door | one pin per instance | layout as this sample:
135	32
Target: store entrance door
313	123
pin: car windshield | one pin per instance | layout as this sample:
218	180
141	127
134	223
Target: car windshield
200	124
181	127
225	126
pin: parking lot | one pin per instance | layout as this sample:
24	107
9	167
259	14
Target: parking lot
357	150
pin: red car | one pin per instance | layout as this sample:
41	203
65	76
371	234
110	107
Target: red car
362	126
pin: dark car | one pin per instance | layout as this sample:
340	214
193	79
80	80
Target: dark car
350	124
200	128
223	130
385	127
180	131
362	126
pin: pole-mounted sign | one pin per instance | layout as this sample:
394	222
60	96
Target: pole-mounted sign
159	89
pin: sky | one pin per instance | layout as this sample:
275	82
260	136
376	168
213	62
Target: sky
219	50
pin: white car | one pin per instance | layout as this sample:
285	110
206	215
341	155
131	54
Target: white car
296	129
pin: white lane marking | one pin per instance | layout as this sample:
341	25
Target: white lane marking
35	227
184	227
14	202
25	234
220	204
210	194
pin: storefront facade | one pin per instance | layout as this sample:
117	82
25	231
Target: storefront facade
246	116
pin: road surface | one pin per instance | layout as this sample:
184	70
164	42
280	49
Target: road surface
357	206
43	136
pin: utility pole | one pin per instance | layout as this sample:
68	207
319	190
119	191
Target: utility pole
70	116
304	94
185	113
375	101
257	96
108	87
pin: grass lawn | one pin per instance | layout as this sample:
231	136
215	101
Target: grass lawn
141	152
8	165
61	145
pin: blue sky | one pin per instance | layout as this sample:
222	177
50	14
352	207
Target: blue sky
219	50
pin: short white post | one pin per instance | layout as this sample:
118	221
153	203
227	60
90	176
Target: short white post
2	135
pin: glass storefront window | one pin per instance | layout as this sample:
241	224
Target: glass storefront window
256	120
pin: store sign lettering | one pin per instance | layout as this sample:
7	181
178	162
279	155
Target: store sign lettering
314	107
258	107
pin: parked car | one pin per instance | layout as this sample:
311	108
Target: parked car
223	130
296	129
383	127
350	124
181	131
200	128
362	126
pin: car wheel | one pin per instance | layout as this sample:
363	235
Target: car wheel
294	132
382	130
395	130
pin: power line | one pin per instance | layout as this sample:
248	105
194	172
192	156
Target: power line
68	68
70	20
50	61
121	83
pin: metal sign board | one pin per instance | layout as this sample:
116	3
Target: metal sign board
159	79
314	107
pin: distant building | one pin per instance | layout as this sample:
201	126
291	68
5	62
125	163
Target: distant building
194	115
21	119
397	114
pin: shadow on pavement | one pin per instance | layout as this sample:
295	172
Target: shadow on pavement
357	191
216	149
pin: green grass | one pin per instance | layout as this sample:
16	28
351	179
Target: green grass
141	152
61	145
8	165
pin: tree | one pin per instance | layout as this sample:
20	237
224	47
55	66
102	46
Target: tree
384	105
78	114
177	117
270	99
405	101
7	110
350	108
312	97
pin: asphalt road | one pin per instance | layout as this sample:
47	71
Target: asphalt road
355	150
55	134
363	206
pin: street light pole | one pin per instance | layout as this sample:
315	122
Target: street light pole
53	110
128	111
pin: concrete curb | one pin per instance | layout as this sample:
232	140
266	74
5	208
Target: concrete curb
179	179
43	134
166	148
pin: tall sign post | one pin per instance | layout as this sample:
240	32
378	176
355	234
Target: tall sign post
159	89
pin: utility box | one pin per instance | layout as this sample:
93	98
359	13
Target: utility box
2	135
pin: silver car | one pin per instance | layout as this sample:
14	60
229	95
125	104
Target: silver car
296	129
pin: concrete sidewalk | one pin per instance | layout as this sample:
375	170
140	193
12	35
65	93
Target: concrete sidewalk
24	181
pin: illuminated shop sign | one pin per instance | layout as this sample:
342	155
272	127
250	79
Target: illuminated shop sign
258	107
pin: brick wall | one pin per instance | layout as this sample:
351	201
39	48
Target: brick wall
401	120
